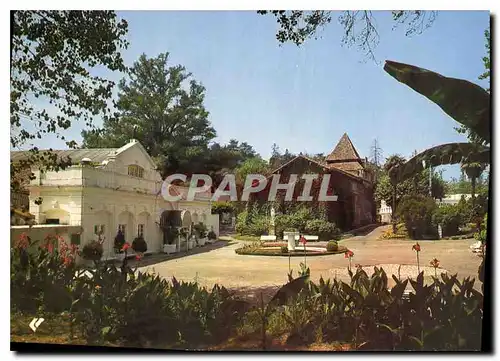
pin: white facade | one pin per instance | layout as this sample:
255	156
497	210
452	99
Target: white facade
385	212
453	199
122	192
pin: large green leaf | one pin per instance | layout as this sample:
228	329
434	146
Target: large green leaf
450	153
466	102
290	290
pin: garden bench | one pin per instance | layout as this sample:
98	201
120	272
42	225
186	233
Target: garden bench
268	238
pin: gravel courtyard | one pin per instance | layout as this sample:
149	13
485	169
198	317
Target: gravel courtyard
248	275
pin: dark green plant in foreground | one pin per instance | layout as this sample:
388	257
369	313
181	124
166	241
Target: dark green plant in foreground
131	308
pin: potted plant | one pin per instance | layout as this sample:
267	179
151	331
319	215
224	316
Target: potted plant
118	244
92	251
201	233
171	236
139	245
212	237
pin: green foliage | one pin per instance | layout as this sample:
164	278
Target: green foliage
139	245
200	230
294	221
416	213
277	158
284	249
296	26
450	219
463	185
40	276
418	184
92	251
444	315
252	223
161	106
323	229
108	304
483	232
332	246
172	233
254	165
132	308
47	40
220	207
211	235
472	112
473	212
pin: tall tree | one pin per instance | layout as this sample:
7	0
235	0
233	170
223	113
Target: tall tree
390	166
376	153
162	106
52	54
360	28
473	171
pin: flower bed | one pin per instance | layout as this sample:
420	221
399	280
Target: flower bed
276	251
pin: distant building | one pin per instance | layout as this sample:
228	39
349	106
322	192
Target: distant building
350	180
453	199
385	212
106	190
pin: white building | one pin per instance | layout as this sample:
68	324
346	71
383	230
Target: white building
453	199
106	190
385	212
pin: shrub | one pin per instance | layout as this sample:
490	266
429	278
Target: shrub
323	229
171	234
92	251
482	234
40	276
200	230
211	235
284	249
252	223
293	221
119	241
332	246
139	245
473	214
416	212
450	219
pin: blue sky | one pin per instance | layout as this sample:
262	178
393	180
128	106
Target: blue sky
305	98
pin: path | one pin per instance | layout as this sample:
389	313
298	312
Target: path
252	273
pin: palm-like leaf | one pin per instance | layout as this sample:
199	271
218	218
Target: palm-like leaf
451	153
465	102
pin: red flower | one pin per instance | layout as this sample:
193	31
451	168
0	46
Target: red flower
302	240
23	241
434	263
138	256
255	183
125	246
348	254
416	247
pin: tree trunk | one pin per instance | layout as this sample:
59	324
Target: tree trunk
393	208
473	184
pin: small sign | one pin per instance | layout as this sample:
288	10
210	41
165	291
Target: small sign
35	323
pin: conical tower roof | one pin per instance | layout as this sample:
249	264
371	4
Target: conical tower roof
344	151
